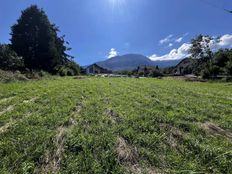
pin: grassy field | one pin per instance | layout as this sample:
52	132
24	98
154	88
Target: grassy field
107	125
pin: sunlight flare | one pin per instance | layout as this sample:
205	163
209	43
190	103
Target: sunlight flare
117	5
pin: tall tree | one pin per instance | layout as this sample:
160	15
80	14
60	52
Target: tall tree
36	40
201	47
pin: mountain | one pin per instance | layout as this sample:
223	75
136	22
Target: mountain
132	61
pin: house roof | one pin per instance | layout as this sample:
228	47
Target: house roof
96	65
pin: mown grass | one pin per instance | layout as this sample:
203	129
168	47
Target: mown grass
109	125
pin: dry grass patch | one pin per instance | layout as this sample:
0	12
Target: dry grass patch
129	157
126	153
213	128
114	117
32	100
7	126
52	160
6	99
11	123
8	109
174	135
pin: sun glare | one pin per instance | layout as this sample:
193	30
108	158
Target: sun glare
117	4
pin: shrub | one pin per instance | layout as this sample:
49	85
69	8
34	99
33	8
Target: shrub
43	73
205	73
228	68
7	76
70	68
9	60
156	73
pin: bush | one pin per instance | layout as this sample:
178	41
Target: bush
228	68
70	68
9	59
43	73
156	73
62	71
205	74
7	76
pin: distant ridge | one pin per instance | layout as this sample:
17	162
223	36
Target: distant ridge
132	61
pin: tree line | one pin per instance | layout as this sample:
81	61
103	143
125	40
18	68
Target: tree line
36	45
207	62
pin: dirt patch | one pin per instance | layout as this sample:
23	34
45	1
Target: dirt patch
215	129
8	109
114	117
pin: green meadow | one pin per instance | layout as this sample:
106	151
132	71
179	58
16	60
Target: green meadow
115	125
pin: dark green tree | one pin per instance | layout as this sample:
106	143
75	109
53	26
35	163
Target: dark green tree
221	57
146	71
36	40
228	68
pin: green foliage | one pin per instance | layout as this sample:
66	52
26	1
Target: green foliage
9	60
228	68
168	70
70	68
156	73
221	57
205	73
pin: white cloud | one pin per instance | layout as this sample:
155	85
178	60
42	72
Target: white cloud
179	39
170	44
224	41
171	38
112	53
166	39
174	54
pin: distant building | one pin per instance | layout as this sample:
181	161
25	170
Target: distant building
96	69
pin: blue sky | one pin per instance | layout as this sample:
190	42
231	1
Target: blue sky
155	28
